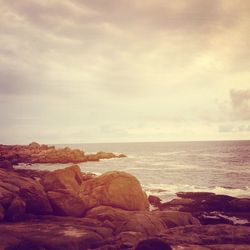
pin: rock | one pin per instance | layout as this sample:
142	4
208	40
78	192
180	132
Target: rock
154	200
175	218
104	155
69	178
53	233
16	210
5	164
36	200
35	153
195	195
143	222
92	157
240	205
207	235
66	204
30	191
34	145
151	244
121	156
117	189
1	212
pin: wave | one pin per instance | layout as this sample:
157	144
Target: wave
167	191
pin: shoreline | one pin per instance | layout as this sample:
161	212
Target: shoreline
70	209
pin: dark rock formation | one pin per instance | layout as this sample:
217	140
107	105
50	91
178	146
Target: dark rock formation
5	164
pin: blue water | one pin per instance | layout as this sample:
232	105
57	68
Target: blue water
165	168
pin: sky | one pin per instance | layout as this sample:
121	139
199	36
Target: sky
78	71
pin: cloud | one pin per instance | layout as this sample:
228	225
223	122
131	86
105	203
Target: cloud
240	101
95	67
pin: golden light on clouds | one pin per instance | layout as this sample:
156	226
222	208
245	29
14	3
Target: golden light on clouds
101	71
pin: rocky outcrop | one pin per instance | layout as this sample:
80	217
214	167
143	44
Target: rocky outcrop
36	153
211	208
117	189
112	212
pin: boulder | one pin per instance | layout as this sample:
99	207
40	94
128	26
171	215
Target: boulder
16	210
105	155
117	189
5	164
69	178
143	222
66	204
176	218
29	190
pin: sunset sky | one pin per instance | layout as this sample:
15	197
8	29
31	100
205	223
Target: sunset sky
75	71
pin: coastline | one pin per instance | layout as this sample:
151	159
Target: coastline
113	211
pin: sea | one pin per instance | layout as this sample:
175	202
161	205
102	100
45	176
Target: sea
165	168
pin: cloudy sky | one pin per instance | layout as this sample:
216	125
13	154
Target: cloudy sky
76	71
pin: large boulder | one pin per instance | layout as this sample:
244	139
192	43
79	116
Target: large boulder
69	178
66	204
117	189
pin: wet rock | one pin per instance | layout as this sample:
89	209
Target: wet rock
117	189
240	205
1	212
66	204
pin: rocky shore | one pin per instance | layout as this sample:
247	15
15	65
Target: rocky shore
68	209
36	153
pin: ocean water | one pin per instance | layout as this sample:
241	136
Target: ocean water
164	168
